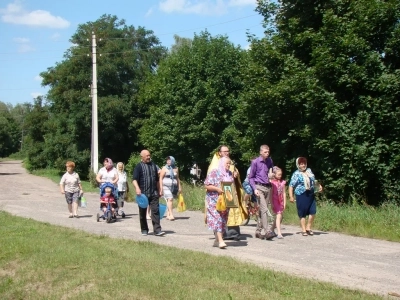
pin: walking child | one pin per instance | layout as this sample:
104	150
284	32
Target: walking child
278	198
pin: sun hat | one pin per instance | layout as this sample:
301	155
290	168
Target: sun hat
142	201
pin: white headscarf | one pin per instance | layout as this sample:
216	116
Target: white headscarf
306	173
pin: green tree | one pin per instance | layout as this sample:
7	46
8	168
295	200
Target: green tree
127	56
9	131
326	78
191	99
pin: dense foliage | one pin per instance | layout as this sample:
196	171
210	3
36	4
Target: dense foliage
323	83
326	78
191	99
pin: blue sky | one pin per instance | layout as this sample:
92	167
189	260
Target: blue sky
35	34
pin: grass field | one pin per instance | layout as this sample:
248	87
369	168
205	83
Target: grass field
42	261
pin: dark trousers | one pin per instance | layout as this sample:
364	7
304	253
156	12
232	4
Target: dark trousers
155	214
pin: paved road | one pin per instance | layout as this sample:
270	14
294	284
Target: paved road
360	263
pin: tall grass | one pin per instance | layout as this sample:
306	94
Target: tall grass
41	261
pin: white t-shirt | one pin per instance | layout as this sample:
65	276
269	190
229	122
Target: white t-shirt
108	176
70	182
122	181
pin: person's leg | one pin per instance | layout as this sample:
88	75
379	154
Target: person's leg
68	198
143	220
303	225
75	208
262	225
301	211
312	211
278	224
310	221
154	204
170	215
148	213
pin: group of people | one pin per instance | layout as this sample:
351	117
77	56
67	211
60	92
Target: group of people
263	184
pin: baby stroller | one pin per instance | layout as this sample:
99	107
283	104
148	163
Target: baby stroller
109	203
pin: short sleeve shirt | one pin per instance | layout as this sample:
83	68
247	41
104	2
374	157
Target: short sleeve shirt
70	182
297	182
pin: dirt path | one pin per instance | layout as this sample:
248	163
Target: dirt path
360	263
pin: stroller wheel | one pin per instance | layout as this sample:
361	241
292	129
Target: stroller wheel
98	217
109	217
123	215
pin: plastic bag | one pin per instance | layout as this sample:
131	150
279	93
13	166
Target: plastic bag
82	202
221	204
181	203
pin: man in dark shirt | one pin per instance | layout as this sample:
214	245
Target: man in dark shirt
261	170
145	181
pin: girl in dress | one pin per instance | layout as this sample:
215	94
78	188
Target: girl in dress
278	198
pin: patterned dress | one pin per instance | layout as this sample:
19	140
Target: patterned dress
278	189
216	220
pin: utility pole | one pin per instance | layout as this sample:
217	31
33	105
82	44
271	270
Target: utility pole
95	133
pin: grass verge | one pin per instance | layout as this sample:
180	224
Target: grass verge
42	261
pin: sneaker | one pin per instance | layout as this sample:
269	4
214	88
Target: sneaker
269	235
280	236
160	233
144	232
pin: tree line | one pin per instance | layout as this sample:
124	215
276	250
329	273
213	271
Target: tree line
324	82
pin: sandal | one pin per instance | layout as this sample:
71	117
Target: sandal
304	233
310	232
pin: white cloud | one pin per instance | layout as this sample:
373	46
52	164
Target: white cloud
21	40
201	7
23	45
55	37
149	12
38	78
36	94
242	2
23	48
14	13
206	7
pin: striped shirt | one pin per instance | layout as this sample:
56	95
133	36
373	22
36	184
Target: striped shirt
146	176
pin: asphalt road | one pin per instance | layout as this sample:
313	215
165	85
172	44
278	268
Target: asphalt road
353	262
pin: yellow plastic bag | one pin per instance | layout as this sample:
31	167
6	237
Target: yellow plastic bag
221	204
181	203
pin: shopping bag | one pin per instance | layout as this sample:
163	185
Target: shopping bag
181	203
221	204
82	203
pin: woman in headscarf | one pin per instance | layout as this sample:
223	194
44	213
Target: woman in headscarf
236	215
107	173
170	185
303	185
216	220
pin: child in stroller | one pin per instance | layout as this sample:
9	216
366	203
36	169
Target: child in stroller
108	203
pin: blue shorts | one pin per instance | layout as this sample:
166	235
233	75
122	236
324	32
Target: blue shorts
306	204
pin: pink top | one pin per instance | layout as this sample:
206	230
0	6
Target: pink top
278	190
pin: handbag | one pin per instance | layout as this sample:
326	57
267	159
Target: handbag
174	189
181	204
221	204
